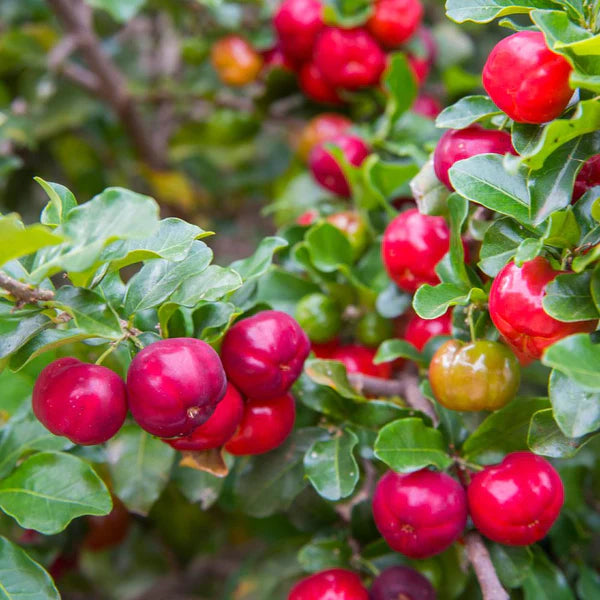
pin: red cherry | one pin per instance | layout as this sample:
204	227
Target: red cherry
419	331
308	218
517	501
422	61
427	106
588	177
325	168
298	23
263	355
395	21
333	584
526	80
174	386
359	359
325	350
419	514
401	583
109	530
275	58
85	403
516	309
458	144
218	429
320	129
349	58
314	85
266	424
413	244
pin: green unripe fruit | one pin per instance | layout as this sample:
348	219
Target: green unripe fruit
372	329
319	316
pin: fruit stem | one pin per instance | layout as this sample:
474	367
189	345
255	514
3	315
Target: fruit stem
471	323
479	557
22	292
111	348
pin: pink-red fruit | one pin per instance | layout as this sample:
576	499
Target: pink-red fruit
419	331
401	583
174	386
315	86
333	584
526	80
298	22
394	21
264	354
516	502
419	514
588	177
359	359
85	403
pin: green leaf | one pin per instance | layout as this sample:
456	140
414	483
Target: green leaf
562	230
325	553
512	563
393	302
458	208
200	486
429	192
546	581
564	35
61	202
568	298
500	244
139	466
528	250
466	111
331	467
213	283
399	80
256	265
503	431
578	358
50	489
328	247
16	329
21	578
588	584
332	373
283	290
119	10
407	445
431	301
484	11
394	349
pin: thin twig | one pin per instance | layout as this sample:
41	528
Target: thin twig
491	588
22	292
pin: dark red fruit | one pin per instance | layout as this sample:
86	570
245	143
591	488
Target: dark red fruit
516	309
334	584
315	86
526	80
109	530
321	128
275	58
349	58
419	331
394	21
427	106
421	54
85	403
174	386
266	424
458	144
325	168
298	23
264	354
401	583
359	359
218	429
588	177
419	514
326	350
517	501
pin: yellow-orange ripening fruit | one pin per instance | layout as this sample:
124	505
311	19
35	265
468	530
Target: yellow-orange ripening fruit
235	60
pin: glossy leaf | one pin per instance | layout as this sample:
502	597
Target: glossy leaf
500	244
394	349
512	563
568	298
466	111
61	202
324	553
578	358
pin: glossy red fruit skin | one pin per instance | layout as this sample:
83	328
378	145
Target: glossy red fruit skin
458	144
419	331
422	62
427	106
174	386
526	80
275	58
419	514
394	21
85	403
516	309
326	350
266	424
516	502
401	583
297	23
359	359
588	177
263	355
325	168
349	58
333	584
320	129
413	244
109	530
315	86
219	429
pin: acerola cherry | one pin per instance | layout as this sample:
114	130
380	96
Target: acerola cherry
413	244
298	23
109	530
458	144
588	177
274	58
85	403
353	226
401	583
325	168
516	502
427	106
320	317
395	21
235	60
419	331
326	350
526	80
349	58
322	128
516	309
315	86
264	354
421	54
359	359
419	514
218	429
174	386
266	424
481	375
333	584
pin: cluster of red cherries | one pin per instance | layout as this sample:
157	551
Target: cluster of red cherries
182	391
